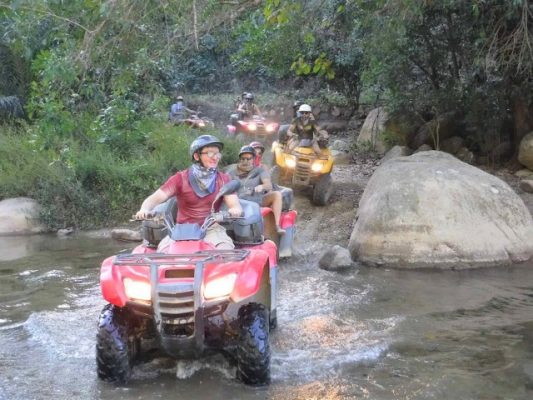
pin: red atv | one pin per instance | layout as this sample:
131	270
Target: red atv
255	128
185	298
194	121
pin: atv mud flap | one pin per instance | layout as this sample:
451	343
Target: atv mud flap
285	244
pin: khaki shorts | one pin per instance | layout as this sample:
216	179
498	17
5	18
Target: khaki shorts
217	236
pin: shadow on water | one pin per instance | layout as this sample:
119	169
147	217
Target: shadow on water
370	333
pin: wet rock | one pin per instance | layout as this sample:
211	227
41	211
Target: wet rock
65	232
335	259
20	216
431	210
126	235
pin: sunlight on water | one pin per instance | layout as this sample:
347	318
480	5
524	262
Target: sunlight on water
62	333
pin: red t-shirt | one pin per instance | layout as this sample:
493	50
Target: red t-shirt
191	207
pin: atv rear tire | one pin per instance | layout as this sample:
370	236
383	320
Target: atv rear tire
114	351
253	348
322	190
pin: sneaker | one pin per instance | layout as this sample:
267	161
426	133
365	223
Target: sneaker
280	230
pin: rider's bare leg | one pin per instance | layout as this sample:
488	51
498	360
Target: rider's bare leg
274	201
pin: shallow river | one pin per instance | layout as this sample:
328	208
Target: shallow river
366	334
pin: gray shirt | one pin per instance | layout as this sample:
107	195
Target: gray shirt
254	178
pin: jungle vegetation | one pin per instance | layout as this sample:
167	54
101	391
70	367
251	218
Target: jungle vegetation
85	85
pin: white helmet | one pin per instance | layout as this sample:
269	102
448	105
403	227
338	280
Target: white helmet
305	108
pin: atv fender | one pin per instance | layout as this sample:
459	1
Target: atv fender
111	284
249	280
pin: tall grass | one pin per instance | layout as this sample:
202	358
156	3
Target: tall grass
90	185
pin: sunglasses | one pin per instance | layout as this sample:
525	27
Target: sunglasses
246	158
212	154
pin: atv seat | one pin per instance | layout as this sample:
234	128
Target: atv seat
249	229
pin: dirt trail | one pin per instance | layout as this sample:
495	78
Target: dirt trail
319	228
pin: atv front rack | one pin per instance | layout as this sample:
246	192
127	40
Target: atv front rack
204	257
178	305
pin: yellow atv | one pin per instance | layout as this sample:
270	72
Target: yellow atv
303	168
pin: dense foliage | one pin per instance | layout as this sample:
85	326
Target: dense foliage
86	84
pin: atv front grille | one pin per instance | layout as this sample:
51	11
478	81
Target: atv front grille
176	303
303	174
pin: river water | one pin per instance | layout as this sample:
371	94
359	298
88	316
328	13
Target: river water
360	334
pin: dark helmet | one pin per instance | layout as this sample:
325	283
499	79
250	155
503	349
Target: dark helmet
203	141
297	104
247	149
257	145
179	98
249	96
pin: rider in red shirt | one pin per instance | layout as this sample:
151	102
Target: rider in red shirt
195	189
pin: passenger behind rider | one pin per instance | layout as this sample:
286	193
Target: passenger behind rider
295	108
195	189
179	111
259	151
256	184
247	108
239	100
305	127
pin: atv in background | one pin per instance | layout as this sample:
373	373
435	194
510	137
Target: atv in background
178	295
304	168
194	121
255	128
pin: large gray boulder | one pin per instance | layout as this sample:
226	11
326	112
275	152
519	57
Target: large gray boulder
372	130
19	216
432	210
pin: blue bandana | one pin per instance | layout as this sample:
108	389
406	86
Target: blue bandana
202	179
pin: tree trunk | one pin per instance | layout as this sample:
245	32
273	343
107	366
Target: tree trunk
195	25
522	118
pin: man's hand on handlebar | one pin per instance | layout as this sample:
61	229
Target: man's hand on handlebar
235	212
143	214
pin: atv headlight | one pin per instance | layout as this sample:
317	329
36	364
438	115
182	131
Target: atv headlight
252	126
220	287
137	290
290	162
271	127
317	166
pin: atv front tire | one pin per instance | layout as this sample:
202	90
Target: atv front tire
114	351
253	348
322	190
